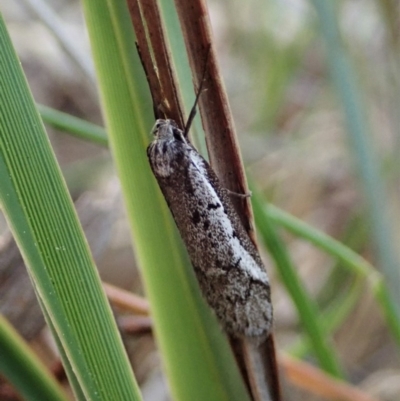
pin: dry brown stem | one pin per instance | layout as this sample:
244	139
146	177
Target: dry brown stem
257	364
260	368
156	58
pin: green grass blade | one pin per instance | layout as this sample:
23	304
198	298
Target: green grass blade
349	259
68	368
389	309
23	369
332	318
73	125
345	81
196	356
307	309
41	216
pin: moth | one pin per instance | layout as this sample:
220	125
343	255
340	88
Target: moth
228	267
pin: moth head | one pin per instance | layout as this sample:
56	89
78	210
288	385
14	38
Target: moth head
157	127
168	146
167	129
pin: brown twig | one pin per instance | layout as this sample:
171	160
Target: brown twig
159	70
163	59
145	56
135	324
126	300
260	362
214	107
317	382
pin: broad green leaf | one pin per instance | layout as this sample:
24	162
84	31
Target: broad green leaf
41	216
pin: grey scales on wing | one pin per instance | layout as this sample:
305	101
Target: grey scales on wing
227	265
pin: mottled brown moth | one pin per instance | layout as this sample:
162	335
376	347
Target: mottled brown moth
227	265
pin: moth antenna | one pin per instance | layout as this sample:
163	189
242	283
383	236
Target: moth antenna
193	111
160	107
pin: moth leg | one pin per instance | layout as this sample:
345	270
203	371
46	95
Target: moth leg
238	195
